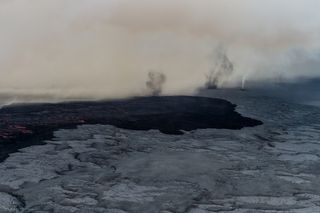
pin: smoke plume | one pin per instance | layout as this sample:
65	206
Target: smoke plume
222	69
155	82
104	49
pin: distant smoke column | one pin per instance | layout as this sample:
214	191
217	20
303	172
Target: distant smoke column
155	82
243	82
221	70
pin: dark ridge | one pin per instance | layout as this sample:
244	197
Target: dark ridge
29	124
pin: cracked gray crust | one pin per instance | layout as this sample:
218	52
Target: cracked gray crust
101	168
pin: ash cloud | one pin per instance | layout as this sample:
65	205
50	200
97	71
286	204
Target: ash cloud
103	49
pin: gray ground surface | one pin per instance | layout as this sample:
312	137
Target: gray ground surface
95	168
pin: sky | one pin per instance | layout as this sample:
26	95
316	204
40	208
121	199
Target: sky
105	49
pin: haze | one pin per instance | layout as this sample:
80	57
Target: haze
105	49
